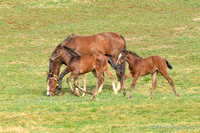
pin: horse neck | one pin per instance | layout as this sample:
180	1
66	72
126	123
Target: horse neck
132	59
56	68
66	57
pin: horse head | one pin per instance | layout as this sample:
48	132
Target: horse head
55	63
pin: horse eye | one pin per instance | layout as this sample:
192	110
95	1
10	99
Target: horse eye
56	52
50	82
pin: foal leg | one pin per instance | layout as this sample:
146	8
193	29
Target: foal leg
72	75
133	85
112	78
76	82
101	86
154	83
99	82
76	85
167	77
84	83
66	71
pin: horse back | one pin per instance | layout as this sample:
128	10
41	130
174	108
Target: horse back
159	62
105	43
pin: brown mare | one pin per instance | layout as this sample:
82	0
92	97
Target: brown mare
106	43
143	66
78	65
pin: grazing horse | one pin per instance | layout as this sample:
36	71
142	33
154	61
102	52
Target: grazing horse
53	74
78	65
106	43
143	66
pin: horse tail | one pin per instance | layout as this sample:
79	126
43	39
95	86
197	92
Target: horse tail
112	63
124	42
168	65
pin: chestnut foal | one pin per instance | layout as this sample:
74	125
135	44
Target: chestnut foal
143	66
78	65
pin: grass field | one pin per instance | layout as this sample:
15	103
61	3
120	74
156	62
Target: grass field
31	29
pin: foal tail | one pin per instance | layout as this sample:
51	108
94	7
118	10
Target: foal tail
168	65
112	63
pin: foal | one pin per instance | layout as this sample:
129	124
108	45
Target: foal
78	65
143	66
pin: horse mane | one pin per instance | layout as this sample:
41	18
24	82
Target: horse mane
68	37
134	54
71	51
59	45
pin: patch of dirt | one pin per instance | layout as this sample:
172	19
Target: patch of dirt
196	19
180	28
13	129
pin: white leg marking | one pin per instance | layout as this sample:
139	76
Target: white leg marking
48	88
100	89
118	58
84	87
118	86
114	88
77	91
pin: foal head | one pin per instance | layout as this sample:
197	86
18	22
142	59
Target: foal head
123	56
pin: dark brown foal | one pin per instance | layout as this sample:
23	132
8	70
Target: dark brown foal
143	66
78	65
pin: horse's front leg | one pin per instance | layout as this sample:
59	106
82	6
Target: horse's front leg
133	85
65	71
72	75
76	85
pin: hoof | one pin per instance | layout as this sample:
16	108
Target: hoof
150	98
124	93
51	95
177	95
99	92
77	94
129	97
59	94
90	100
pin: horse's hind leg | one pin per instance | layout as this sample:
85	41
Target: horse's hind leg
76	82
101	86
84	83
154	83
167	77
99	82
112	78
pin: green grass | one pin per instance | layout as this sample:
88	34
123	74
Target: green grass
30	30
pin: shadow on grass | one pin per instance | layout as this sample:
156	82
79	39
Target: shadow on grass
89	88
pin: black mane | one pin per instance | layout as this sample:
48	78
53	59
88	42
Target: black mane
134	54
71	51
64	40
